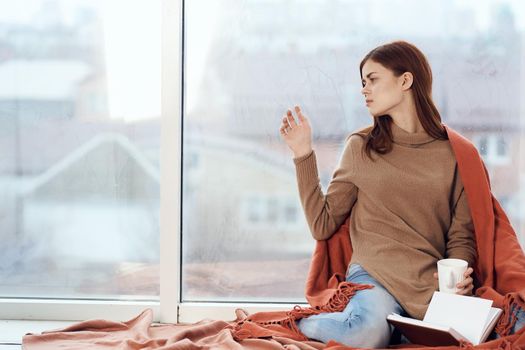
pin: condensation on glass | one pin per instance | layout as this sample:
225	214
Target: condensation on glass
79	144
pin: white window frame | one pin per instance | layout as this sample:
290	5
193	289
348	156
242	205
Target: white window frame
170	308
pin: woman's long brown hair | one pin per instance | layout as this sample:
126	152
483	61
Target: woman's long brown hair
401	57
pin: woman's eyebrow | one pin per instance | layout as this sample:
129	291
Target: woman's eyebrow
369	74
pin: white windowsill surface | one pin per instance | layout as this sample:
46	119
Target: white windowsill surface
12	331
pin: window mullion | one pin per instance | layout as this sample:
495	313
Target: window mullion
170	159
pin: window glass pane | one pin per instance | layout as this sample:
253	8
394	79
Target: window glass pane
483	146
502	146
247	61
79	143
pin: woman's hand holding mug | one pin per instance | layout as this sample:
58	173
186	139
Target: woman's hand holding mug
465	286
297	133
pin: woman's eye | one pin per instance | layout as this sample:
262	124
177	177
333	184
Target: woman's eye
364	83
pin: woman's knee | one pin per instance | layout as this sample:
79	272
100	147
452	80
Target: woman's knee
352	330
369	332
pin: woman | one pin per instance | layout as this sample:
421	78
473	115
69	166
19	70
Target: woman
398	180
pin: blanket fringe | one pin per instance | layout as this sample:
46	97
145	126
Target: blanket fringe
508	318
344	292
505	345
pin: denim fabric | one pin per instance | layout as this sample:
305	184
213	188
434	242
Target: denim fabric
363	322
520	323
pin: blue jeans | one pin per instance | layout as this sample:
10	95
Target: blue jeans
363	322
520	323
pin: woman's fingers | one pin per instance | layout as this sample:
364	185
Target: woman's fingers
284	122
466	291
284	128
296	129
466	286
468	272
300	114
466	282
288	122
291	119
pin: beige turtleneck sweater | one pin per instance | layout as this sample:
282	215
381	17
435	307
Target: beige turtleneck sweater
407	210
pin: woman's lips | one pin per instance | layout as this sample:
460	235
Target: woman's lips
368	102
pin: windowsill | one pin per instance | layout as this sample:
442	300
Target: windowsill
12	331
70	310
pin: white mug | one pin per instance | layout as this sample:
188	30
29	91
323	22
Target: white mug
450	273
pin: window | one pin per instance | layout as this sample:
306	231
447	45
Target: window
273	211
247	61
270	211
80	108
255	210
494	148
80	126
502	149
291	212
482	146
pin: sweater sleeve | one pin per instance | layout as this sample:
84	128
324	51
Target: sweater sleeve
326	212
461	242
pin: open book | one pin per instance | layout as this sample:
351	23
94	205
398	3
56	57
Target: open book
449	319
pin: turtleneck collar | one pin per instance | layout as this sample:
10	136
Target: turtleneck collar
403	137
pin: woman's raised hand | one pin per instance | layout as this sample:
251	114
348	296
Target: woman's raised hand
297	133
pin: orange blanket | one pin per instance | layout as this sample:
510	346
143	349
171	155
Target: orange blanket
139	333
499	275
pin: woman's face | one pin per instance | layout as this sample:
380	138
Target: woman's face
383	91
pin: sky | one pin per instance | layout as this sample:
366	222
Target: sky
133	57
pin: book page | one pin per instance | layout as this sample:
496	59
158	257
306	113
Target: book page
467	315
493	317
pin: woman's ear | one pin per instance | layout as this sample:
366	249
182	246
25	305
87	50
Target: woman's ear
407	80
